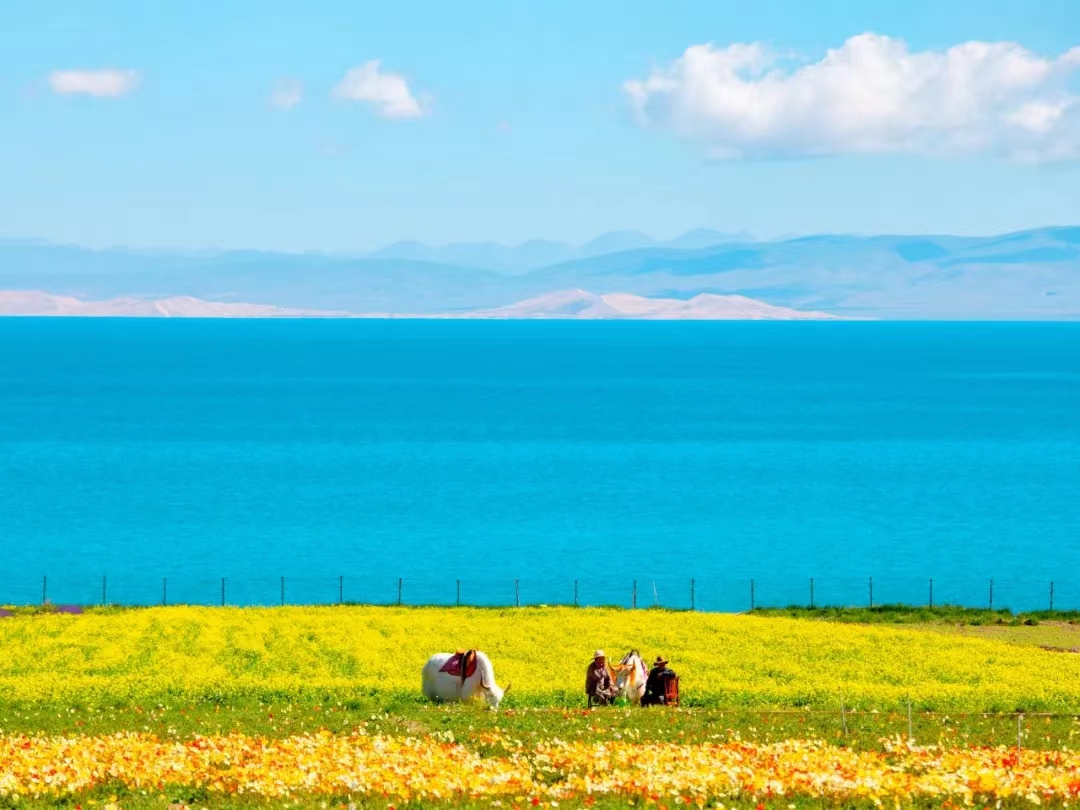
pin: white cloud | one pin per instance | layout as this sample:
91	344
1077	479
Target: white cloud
287	93
108	83
871	95
388	93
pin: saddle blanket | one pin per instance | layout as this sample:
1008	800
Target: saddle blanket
453	665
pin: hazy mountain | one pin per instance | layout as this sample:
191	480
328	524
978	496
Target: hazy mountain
487	255
1032	274
706	237
538	253
290	280
617	242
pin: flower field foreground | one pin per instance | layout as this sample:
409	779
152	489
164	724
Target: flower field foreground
324	654
434	769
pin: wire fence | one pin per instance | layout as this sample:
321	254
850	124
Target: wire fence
709	594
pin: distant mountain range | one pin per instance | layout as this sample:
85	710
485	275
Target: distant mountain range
1027	275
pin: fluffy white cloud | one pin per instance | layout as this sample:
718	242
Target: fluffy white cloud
287	93
871	95
101	83
387	92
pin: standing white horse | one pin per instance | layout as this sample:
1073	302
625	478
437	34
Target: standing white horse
439	685
630	677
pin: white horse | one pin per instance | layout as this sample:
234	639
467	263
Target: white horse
442	686
630	676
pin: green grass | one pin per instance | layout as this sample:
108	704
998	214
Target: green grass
862	730
1051	630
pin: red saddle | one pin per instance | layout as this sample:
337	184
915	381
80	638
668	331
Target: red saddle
454	665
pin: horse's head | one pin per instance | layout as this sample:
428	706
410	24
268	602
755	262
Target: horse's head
633	661
630	675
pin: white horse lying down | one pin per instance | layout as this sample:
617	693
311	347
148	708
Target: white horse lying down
445	686
630	677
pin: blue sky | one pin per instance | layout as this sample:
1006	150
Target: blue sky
517	121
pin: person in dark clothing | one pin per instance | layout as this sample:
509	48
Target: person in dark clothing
654	686
599	685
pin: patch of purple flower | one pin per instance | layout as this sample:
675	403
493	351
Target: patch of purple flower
75	609
5	613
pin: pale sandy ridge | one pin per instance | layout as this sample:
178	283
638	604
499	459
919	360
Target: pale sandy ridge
35	302
562	305
584	305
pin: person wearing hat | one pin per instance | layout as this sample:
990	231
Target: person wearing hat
654	686
599	685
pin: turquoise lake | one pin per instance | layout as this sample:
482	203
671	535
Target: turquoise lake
539	462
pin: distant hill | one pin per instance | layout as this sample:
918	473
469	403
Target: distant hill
584	305
311	281
1032	274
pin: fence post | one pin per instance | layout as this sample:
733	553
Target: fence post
1051	596
633	597
283	591
340	590
399	591
692	606
164	591
44	589
751	596
517	595
871	592
811	593
459	593
103	590
575	594
931	592
1019	728
843	714
991	594
910	733
223	591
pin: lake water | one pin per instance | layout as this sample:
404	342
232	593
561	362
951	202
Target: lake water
572	458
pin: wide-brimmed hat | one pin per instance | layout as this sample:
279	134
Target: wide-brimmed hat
598	654
660	661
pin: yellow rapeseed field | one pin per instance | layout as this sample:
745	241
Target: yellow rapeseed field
349	653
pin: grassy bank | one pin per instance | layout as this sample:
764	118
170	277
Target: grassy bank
913	614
